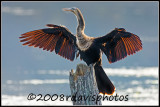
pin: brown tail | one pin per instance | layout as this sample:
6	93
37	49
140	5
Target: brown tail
105	86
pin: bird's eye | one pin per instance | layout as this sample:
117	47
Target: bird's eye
74	8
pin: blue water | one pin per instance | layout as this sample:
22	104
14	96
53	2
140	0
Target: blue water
139	84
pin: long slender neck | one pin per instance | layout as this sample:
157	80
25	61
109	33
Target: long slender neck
83	41
81	22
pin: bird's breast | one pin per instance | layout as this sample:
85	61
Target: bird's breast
84	44
91	55
83	41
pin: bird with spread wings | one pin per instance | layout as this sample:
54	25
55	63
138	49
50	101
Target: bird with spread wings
116	45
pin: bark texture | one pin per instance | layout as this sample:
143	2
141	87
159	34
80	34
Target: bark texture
83	86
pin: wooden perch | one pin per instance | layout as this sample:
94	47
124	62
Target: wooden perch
83	86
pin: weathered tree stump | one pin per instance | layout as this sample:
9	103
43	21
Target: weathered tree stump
83	86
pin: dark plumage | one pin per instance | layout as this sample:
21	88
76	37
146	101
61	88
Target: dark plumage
116	45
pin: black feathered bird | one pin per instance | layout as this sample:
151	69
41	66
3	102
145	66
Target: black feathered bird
116	45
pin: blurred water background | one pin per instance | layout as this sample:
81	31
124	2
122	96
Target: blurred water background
140	84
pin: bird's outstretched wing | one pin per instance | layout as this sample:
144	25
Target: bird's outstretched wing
118	44
57	38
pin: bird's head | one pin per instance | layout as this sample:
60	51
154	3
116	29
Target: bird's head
78	14
73	9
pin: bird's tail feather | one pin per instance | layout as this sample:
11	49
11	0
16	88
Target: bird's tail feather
104	84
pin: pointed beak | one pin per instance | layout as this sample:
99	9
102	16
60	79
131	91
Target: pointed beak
67	9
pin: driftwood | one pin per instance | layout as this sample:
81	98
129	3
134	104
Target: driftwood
83	86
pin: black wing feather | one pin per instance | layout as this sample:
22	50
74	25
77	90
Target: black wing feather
57	38
118	44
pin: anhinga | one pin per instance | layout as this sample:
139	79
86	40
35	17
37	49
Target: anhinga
116	45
